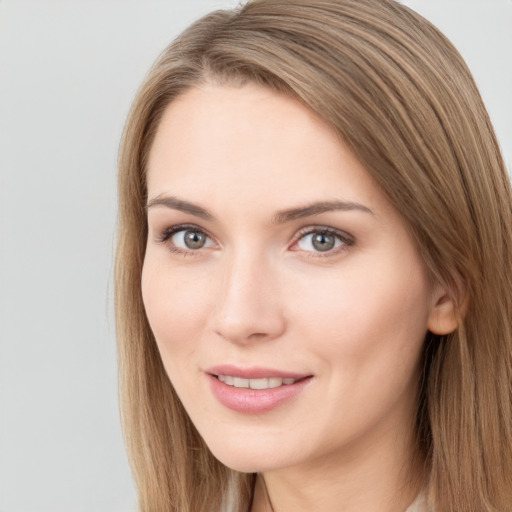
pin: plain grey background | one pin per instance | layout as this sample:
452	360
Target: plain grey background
68	72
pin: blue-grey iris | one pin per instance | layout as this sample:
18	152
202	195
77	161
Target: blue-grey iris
194	240
323	242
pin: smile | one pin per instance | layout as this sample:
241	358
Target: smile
255	390
270	383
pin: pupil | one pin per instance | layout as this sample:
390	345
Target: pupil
194	240
323	242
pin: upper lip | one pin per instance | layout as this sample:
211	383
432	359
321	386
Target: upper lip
254	372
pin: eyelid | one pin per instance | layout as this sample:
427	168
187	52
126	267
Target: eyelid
343	235
166	233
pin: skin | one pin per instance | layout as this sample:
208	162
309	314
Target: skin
260	294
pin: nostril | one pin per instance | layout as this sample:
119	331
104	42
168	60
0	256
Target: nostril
257	335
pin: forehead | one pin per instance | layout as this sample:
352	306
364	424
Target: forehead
251	144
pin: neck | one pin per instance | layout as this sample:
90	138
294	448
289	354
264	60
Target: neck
379	477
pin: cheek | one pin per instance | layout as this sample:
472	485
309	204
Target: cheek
364	332
356	315
176	305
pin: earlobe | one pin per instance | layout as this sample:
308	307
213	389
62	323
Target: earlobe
445	315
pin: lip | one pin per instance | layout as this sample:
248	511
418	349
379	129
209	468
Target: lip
254	372
254	401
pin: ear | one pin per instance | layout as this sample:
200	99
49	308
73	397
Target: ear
445	315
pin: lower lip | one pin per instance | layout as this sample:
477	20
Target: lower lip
254	401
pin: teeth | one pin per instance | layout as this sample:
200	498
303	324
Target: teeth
258	383
272	382
241	383
275	382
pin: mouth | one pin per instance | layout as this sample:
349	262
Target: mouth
255	390
263	383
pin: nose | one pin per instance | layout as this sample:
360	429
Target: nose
248	307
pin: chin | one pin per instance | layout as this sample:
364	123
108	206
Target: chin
248	458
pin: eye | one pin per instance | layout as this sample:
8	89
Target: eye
184	239
188	239
324	240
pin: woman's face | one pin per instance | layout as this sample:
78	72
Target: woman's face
274	261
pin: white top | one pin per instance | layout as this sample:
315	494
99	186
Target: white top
419	504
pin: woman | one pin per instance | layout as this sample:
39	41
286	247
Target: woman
313	289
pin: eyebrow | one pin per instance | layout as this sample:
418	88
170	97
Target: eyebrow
179	204
280	217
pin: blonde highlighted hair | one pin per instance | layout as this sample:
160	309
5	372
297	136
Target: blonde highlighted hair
401	97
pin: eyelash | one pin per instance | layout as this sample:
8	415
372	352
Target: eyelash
346	239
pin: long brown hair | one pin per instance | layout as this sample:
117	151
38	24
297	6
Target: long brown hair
401	97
